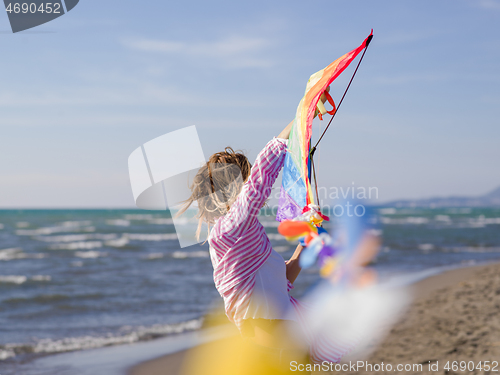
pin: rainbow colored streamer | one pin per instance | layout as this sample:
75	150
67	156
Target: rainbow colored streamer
296	191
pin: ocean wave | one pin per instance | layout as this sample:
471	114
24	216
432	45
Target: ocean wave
119	222
126	335
76	245
455	222
471	249
65	238
43	299
76	223
13	279
150	236
138	217
90	254
190	254
426	247
17	253
154	256
482	221
6	353
444	218
1	226
56	229
415	220
78	237
161	221
21	279
22	224
41	278
119	242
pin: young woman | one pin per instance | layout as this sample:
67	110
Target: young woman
252	278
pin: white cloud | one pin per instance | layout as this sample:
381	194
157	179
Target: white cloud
233	51
489	4
132	93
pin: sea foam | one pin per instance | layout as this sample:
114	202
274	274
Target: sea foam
90	254
150	236
17	253
190	254
13	279
119	222
126	335
76	245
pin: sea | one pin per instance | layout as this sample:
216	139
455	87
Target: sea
72	280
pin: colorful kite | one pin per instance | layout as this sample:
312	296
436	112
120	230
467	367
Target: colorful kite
296	193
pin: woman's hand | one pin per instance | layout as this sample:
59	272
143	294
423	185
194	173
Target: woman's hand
293	266
285	133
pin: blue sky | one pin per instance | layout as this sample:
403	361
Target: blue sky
79	94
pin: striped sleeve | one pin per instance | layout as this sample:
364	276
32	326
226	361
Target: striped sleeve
256	190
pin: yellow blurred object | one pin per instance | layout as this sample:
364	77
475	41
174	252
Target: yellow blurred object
238	356
315	220
328	267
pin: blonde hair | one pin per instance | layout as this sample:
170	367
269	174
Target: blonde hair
217	185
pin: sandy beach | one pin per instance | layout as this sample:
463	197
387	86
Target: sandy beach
455	316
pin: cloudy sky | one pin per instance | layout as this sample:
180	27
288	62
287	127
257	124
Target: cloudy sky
79	94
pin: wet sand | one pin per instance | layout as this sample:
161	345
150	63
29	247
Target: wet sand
455	316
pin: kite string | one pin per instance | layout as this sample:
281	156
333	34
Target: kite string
313	167
315	180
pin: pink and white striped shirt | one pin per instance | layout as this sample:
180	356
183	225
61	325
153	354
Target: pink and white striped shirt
238	242
239	246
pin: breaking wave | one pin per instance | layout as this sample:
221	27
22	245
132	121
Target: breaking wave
17	253
154	256
90	254
78	237
76	245
161	221
119	222
415	220
190	254
21	279
66	226
126	335
13	279
138	217
150	236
